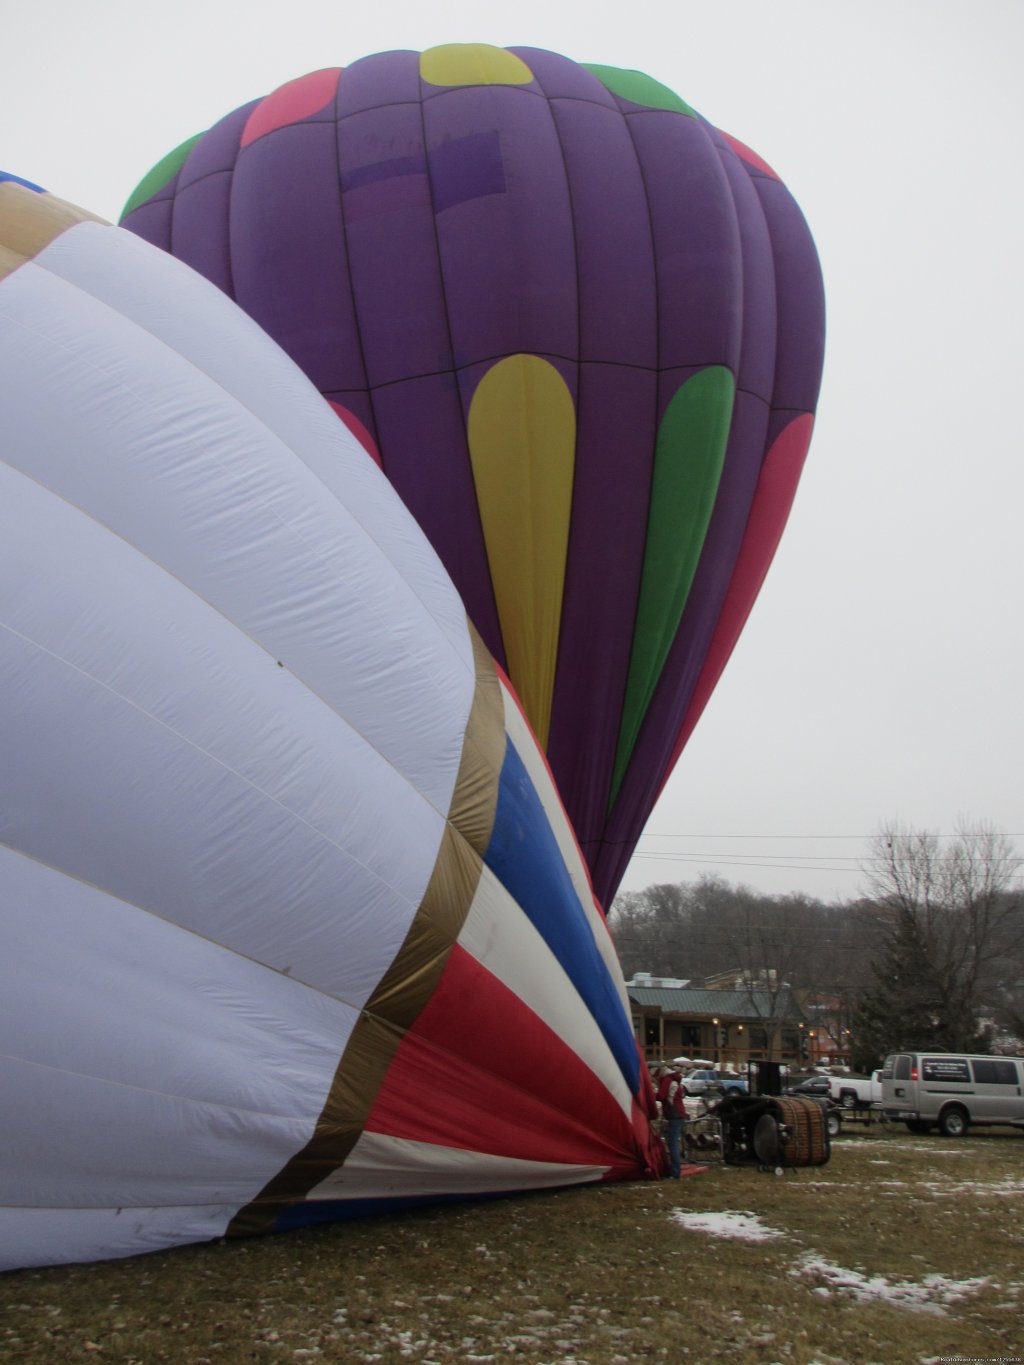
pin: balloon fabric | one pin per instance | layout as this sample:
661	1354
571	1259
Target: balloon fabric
581	330
294	926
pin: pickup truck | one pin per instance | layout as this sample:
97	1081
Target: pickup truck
856	1092
700	1081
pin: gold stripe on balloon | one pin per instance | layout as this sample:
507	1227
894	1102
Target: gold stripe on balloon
30	220
410	981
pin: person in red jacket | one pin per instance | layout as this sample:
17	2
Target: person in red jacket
670	1097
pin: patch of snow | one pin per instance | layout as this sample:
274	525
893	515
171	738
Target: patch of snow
933	1151
926	1296
947	1188
746	1227
1006	1186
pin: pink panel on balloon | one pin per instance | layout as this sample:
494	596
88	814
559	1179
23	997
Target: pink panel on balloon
359	431
751	158
776	488
291	102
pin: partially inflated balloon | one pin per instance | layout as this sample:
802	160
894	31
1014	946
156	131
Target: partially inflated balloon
291	921
582	330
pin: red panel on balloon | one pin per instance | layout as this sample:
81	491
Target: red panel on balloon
481	1072
358	430
291	102
750	157
776	490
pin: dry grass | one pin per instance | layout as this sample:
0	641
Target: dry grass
596	1276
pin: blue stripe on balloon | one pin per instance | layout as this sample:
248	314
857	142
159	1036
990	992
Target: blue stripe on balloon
524	855
29	185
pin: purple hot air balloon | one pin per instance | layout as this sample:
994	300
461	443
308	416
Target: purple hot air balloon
580	328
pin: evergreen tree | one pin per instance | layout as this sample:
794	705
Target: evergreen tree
941	915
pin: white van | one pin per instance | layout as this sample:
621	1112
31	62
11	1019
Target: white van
952	1091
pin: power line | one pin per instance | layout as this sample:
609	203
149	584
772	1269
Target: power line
774	857
806	862
866	837
741	860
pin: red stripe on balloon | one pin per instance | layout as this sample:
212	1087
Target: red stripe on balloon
773	498
359	431
647	1140
479	1071
291	102
750	157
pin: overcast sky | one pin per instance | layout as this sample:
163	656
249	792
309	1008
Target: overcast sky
879	677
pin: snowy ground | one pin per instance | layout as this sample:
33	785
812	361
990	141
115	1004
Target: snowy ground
747	1227
930	1294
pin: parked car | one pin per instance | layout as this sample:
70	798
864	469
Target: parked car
952	1091
816	1087
703	1079
856	1092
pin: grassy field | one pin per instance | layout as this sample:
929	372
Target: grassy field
902	1249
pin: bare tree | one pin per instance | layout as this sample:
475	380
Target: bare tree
649	929
943	912
771	938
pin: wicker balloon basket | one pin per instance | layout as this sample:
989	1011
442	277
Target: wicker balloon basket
774	1131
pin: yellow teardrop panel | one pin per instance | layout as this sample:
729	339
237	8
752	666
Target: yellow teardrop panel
473	64
522	444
